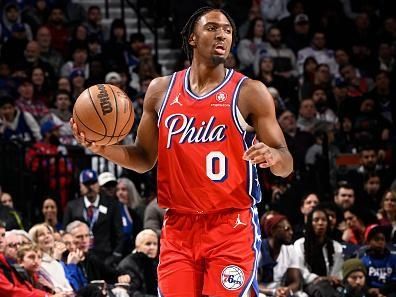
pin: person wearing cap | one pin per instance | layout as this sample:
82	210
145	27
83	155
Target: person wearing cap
16	124
318	50
113	78
299	36
48	159
101	214
108	183
354	279
380	263
278	260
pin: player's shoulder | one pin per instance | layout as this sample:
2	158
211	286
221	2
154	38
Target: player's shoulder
160	83
253	87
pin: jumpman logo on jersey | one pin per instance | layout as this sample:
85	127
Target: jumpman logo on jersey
176	100
238	221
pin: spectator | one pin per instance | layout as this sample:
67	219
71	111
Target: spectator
102	214
319	51
37	14
114	49
321	79
299	36
254	12
136	41
50	268
357	86
307	116
283	57
371	194
319	257
324	112
47	158
92	266
253	44
387	213
344	196
16	124
41	89
94	22
64	84
79	38
279	273
141	265
27	102
113	78
9	19
14	216
77	81
307	204
379	262
61	115
131	208
108	183
13	49
334	217
47	53
273	11
355	227
59	31
295	8
79	62
354	279
50	213
6	200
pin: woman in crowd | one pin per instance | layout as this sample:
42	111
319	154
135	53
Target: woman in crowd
50	213
319	256
130	204
42	90
252	45
141	265
387	213
50	269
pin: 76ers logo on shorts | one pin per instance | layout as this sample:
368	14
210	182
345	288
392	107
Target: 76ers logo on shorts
221	96
232	277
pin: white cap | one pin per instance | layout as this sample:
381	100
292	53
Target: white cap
106	177
113	77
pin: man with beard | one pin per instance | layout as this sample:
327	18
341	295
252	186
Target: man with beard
279	274
354	279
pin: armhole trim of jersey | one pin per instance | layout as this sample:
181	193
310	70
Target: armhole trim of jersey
166	97
239	121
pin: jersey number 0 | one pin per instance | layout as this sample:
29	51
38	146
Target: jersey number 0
216	173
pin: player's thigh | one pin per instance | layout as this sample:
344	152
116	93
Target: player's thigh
230	267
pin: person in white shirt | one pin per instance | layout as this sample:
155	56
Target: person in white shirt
319	257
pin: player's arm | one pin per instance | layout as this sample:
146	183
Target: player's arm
257	106
142	155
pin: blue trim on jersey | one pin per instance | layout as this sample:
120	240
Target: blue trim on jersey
253	185
252	282
161	110
187	85
235	105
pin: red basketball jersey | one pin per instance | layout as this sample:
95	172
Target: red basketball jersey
200	149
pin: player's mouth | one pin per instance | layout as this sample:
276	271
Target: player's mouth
220	49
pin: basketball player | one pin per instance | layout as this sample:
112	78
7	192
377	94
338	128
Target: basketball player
209	127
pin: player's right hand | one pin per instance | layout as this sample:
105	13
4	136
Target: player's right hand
82	140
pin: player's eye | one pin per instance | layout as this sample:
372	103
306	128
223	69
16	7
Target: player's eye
228	31
211	28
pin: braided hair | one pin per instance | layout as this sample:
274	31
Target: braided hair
313	250
188	28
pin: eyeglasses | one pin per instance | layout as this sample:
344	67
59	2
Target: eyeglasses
14	244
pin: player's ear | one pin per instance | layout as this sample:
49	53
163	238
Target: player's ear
192	40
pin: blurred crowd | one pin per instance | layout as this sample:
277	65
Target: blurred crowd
329	229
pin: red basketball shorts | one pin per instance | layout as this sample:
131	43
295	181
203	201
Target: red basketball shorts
209	254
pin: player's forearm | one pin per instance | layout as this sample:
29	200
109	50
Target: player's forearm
128	156
285	165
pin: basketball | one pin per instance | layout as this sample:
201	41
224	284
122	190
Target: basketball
104	113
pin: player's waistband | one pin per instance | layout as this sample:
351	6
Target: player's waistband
171	211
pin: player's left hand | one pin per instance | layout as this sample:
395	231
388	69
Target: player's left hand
261	154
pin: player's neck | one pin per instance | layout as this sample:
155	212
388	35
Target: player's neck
202	75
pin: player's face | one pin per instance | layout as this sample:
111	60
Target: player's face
212	37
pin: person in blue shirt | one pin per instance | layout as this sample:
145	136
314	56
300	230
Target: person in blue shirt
380	263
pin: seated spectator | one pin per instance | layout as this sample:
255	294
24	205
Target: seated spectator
319	256
6	200
50	213
354	275
12	16
29	259
322	104
50	268
79	61
16	124
308	203
29	103
307	115
357	86
42	90
59	31
10	281
92	266
77	82
251	45
344	196
279	273
387	213
355	227
61	115
141	265
334	217
379	262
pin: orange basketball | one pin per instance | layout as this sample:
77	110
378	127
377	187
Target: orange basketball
104	113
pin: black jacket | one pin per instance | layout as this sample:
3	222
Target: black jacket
143	273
